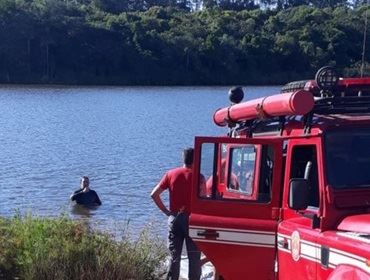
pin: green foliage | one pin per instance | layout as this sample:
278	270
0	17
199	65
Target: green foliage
162	43
38	248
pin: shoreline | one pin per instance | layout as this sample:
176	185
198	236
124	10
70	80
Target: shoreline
46	248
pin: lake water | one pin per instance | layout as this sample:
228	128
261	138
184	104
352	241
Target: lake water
123	138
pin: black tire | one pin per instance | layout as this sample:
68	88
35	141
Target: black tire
294	86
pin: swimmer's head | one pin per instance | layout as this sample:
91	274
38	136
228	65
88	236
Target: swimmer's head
84	182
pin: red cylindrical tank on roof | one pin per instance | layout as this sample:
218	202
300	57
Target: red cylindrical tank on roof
286	104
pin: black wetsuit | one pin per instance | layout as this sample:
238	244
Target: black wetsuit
86	198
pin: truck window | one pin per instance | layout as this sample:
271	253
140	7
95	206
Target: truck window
229	172
302	157
241	171
348	158
265	184
206	170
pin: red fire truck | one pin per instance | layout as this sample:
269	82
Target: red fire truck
286	193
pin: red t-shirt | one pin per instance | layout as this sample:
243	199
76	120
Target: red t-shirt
178	181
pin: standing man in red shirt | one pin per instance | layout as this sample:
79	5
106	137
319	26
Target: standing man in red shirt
178	182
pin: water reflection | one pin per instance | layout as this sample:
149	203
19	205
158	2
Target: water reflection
84	214
84	211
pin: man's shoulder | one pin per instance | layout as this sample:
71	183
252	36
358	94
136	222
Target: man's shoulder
178	170
94	192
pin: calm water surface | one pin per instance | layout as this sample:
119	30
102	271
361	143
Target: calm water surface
123	138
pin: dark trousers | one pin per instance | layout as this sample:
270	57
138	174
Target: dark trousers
178	232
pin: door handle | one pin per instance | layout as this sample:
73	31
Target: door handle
283	243
208	234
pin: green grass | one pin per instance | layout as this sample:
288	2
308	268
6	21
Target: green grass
42	248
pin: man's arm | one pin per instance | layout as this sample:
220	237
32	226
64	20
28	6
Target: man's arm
74	196
97	199
156	196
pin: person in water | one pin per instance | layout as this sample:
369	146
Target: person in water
85	195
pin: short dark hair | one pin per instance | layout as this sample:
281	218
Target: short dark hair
188	155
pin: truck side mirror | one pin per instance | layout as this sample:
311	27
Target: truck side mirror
298	194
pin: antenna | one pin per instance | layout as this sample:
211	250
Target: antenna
364	42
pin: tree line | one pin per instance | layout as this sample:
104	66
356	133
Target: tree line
237	5
177	42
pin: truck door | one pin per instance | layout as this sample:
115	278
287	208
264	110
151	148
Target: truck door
299	253
235	204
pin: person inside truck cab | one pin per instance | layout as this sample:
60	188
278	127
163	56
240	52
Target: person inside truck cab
244	176
221	187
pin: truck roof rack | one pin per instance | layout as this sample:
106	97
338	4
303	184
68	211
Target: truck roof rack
332	95
342	105
323	106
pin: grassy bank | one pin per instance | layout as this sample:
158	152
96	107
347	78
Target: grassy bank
40	248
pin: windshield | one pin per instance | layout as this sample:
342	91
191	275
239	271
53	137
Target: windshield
348	158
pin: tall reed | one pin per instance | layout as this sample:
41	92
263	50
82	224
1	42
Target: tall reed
42	248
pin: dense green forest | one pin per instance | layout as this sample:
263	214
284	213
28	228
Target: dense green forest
178	42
